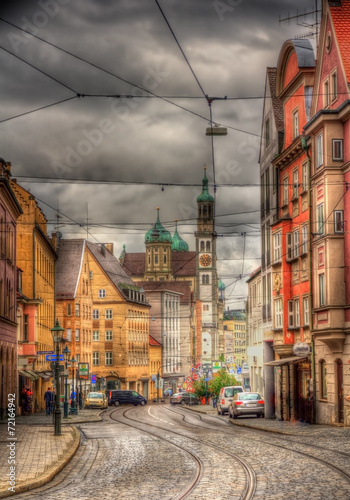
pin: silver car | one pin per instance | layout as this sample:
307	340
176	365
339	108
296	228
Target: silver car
246	403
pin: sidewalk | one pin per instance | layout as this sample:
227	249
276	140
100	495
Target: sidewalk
36	455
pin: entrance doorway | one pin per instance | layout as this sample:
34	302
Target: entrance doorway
340	391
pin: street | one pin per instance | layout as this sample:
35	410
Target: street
164	452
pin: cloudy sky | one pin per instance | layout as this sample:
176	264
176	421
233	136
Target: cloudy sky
104	120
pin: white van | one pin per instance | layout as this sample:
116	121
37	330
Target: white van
226	396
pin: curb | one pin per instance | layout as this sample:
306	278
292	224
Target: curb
256	427
48	475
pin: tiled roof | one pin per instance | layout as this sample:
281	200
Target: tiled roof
68	266
277	104
154	342
110	265
341	23
183	263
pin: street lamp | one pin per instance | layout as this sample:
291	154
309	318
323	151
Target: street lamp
66	353
57	334
73	409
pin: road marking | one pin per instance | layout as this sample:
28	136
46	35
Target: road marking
165	421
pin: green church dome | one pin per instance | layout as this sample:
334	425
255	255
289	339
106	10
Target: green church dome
221	286
205	196
179	245
157	233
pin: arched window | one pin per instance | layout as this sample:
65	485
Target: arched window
202	245
207	246
323	379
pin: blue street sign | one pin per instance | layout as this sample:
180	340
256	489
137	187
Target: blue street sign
52	357
206	379
93	379
239	370
45	352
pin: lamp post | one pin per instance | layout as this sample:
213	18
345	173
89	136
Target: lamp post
72	405
66	353
57	334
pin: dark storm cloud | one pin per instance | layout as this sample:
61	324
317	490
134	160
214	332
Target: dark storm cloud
229	44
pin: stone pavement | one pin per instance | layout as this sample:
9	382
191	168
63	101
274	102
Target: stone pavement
34	455
40	455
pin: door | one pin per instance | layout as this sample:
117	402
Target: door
340	391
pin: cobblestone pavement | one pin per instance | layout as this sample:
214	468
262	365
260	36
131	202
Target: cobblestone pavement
289	461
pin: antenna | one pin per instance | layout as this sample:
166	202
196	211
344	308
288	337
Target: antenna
302	21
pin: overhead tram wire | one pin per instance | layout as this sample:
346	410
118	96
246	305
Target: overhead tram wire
38	109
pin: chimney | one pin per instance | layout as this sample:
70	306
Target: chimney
109	247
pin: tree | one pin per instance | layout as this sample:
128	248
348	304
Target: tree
222	379
200	387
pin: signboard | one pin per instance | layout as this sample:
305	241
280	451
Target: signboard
52	357
83	369
45	352
239	370
195	376
189	380
301	349
93	379
216	366
189	388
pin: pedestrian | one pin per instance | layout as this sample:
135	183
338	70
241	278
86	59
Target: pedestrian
48	398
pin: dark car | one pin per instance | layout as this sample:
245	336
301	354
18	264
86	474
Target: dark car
246	403
184	398
117	398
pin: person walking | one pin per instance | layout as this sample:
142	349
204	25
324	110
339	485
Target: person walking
48	398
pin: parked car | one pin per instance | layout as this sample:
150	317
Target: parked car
225	397
246	403
184	398
117	398
96	400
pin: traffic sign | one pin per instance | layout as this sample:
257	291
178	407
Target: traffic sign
93	379
189	380
190	388
45	352
195	376
52	357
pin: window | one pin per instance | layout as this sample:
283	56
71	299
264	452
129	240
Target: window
25	327
295	124
277	246
108	358
285	192
156	259
334	84
207	246
295	184
295	244
267	132
304	239
96	335
320	219
326	93
77	310
202	245
109	314
319	150
95	314
278	314
296	305
289	247
69	334
109	335
77	334
323	379
205	279
102	294
164	259
91	274
69	309
305	177
338	221
95	358
321	290
306	315
337	149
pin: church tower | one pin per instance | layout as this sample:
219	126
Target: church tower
158	253
207	280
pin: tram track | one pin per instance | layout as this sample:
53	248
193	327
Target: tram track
250	483
337	469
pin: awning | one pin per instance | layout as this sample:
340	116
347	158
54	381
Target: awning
45	375
284	361
28	373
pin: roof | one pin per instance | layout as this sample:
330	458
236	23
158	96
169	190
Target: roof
154	342
235	314
277	104
341	22
181	287
179	245
183	263
305	53
205	196
111	267
158	233
68	267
